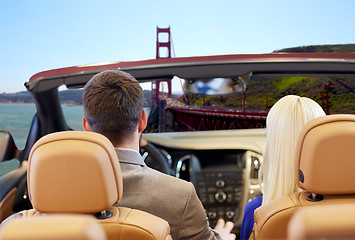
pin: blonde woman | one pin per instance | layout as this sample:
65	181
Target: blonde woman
277	175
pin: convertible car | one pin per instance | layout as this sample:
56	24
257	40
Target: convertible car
206	122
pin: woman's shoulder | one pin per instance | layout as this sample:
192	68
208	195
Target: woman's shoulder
254	204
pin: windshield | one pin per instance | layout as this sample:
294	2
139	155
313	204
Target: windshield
198	105
241	102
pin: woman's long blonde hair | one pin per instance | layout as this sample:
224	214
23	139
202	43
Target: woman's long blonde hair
283	125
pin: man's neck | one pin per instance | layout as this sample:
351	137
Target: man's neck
131	142
129	145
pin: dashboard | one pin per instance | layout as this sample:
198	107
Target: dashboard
222	165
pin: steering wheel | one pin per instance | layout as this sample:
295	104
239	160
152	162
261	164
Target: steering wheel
154	158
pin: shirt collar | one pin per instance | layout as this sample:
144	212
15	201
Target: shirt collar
129	156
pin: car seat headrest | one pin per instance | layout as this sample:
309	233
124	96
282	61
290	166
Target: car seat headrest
74	172
325	155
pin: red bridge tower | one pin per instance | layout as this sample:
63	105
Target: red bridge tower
160	45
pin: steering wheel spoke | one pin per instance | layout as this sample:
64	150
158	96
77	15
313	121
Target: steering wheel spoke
155	159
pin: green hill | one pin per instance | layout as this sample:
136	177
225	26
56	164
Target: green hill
263	91
337	48
70	96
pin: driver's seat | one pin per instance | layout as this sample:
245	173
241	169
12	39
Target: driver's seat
53	227
79	172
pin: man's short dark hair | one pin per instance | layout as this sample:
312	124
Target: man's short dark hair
113	103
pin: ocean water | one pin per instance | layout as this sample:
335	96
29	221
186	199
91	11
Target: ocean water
17	118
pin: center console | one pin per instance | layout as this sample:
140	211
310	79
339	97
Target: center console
225	180
221	192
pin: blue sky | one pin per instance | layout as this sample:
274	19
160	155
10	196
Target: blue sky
38	35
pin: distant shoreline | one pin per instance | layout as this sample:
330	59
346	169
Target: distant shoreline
66	104
15	103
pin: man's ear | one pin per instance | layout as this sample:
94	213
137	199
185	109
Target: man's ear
142	124
86	125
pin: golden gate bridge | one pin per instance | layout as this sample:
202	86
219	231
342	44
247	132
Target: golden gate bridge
199	118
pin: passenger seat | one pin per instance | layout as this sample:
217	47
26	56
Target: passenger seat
323	222
325	164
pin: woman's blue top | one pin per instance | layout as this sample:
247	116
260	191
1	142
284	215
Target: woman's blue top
248	218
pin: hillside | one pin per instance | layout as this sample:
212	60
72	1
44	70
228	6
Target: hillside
66	97
263	92
337	48
341	90
71	97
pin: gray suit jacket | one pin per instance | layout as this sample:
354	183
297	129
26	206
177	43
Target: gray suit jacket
170	198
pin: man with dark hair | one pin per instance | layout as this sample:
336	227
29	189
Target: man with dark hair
113	106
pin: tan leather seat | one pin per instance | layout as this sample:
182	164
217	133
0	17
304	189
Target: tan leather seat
53	227
79	172
323	222
325	160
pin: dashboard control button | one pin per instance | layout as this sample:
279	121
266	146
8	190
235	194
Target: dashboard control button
230	215
220	197
212	215
220	183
